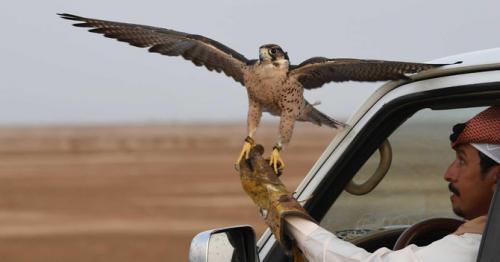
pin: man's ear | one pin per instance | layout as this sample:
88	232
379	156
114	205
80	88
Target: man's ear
495	171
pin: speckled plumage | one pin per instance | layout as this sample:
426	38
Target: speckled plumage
271	90
273	84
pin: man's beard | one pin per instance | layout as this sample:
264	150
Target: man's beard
456	209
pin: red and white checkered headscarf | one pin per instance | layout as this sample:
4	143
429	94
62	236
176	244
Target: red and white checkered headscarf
483	132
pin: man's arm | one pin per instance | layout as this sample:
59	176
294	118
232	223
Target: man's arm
318	244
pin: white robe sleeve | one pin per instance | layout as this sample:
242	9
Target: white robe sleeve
318	244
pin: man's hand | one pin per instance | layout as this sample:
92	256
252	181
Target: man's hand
268	192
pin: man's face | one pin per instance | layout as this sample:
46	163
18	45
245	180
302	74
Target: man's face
472	192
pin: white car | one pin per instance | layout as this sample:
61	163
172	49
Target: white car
403	192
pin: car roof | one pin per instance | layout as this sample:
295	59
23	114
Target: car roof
477	61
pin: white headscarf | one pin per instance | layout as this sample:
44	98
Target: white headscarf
490	150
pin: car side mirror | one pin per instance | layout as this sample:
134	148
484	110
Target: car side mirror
235	244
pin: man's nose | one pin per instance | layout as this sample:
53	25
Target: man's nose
451	173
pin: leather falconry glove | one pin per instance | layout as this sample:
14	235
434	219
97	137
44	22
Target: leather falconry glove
268	192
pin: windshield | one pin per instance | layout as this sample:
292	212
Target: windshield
414	188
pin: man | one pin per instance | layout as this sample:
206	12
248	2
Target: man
472	178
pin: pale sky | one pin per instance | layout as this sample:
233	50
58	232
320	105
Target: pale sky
54	73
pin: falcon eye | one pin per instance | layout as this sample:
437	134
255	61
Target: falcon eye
273	51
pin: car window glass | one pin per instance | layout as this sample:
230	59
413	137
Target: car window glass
414	188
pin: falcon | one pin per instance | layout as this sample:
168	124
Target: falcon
273	84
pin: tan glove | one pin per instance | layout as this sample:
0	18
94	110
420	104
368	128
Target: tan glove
266	190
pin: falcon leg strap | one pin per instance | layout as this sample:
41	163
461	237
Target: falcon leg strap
245	151
275	160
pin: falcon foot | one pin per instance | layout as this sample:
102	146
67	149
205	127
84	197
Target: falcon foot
275	161
245	151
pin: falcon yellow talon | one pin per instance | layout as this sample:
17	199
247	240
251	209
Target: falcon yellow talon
245	151
275	161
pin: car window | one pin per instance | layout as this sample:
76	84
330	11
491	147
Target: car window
414	188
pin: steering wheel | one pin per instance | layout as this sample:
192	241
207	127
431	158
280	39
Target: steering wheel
427	231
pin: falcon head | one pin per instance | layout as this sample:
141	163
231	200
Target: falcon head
272	53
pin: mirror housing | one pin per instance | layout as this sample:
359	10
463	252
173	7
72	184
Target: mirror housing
235	243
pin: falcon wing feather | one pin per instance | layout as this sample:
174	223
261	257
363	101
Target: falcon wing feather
200	50
317	71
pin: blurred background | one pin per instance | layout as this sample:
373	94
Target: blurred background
109	153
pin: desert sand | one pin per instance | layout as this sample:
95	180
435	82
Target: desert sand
129	192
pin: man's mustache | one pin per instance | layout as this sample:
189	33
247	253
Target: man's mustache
453	189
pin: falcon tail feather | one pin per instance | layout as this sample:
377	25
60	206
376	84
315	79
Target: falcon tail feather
314	116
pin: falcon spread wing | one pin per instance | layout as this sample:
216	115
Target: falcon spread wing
201	50
316	71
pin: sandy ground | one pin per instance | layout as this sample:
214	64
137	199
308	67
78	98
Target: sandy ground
129	193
